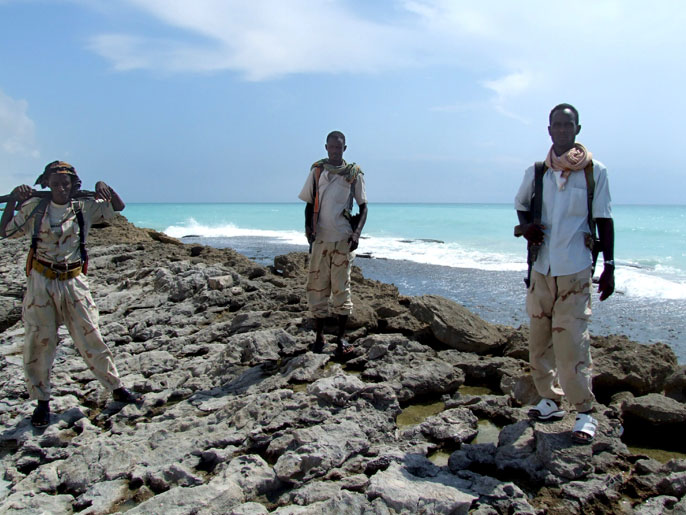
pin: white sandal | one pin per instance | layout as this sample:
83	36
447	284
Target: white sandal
546	409
584	428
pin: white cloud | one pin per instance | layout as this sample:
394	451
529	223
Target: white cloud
261	40
517	52
16	128
508	87
455	18
18	149
511	85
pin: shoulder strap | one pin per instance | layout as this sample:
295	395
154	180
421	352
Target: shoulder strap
590	191
315	216
537	199
39	213
76	206
351	196
596	246
315	191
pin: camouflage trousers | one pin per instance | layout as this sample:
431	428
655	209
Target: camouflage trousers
559	341
329	278
49	303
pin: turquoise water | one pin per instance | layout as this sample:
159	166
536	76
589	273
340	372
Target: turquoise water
649	251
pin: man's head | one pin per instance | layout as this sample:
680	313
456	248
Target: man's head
563	128
62	180
335	146
60	185
562	107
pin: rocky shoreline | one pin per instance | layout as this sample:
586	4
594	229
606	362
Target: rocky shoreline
240	417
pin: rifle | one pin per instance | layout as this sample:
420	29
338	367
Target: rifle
531	254
535	217
46	194
596	248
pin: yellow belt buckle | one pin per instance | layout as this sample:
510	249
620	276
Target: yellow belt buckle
50	273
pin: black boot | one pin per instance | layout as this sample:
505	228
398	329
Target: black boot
41	415
124	395
319	341
344	349
342	322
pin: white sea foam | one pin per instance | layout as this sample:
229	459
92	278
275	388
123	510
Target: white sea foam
420	251
193	228
636	283
445	254
666	270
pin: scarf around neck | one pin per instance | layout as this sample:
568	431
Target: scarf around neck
575	159
349	171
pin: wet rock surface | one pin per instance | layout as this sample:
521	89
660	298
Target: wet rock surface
241	417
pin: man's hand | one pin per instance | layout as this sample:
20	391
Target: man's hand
354	241
21	193
103	191
311	236
606	283
533	233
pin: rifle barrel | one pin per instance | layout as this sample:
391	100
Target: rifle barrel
43	194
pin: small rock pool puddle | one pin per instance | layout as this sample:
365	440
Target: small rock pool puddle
488	433
126	505
298	387
415	414
657	454
475	390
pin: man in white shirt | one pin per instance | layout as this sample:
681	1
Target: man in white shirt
559	295
329	190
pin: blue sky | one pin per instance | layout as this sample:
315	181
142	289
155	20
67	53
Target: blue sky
440	100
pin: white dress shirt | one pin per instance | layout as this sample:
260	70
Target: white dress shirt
565	218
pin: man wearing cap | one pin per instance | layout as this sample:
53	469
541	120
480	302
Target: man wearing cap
57	291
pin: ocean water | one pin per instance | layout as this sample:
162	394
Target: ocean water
466	252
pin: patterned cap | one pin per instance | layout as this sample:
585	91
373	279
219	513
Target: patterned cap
61	167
